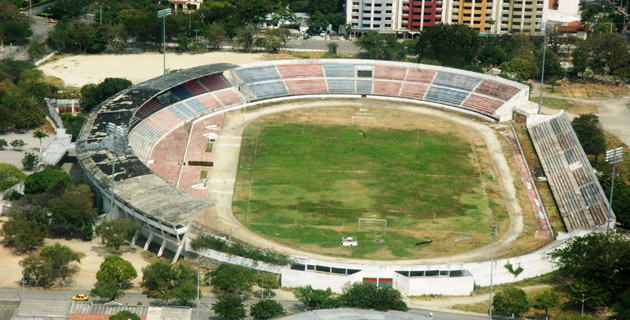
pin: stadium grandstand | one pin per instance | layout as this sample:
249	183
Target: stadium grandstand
580	199
150	111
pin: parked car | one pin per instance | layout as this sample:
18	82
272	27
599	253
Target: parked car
25	280
81	297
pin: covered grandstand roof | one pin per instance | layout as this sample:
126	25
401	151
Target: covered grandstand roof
136	184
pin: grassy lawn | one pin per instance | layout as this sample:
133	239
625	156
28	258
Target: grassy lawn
567	105
306	185
204	174
209	147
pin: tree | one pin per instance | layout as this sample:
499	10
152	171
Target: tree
580	59
18	144
73	213
114	277
233	278
590	133
59	258
266	309
267	281
609	53
491	56
621	203
23	234
38	269
273	39
453	45
511	300
170	282
315	298
30	161
332	47
3	144
51	263
124	315
546	300
15	32
622	308
116	232
36	51
10	175
380	46
598	264
40	134
50	180
215	33
93	95
72	124
229	306
246	37
366	295
522	67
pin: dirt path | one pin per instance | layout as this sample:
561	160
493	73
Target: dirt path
443	303
227	150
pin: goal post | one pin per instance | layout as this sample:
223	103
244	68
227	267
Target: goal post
374	225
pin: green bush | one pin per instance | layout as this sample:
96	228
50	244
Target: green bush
237	249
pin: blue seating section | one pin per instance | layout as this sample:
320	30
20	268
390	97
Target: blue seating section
177	112
258	74
339	70
364	86
146	131
196	105
341	86
269	89
185	110
456	81
446	95
181	92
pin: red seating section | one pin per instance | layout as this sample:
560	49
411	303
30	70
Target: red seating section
419	75
194	87
387	87
306	86
496	89
482	103
390	73
148	108
414	90
209	101
227	97
293	71
213	82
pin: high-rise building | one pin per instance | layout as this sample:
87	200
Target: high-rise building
522	16
417	14
478	14
379	15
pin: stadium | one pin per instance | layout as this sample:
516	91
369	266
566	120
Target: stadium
171	152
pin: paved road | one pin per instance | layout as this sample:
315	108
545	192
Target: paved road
40	33
133	297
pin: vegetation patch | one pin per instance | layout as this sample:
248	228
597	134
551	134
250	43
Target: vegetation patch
237	249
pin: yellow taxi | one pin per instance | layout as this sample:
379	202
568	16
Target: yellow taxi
81	297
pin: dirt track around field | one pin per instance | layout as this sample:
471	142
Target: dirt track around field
221	185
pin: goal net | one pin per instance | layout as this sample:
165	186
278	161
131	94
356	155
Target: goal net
374	225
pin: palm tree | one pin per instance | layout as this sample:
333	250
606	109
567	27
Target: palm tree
40	134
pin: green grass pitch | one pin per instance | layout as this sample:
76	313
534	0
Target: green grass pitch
306	185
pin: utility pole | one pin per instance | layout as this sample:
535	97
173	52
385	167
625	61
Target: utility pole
198	290
613	157
542	75
163	14
493	232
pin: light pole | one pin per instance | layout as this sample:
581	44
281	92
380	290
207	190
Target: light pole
542	74
582	305
493	232
612	156
116	133
163	14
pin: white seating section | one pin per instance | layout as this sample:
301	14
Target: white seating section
580	198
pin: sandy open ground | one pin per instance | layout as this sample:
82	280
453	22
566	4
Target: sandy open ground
80	70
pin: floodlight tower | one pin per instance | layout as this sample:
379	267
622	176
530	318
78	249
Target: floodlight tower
542	74
493	232
163	14
613	157
118	144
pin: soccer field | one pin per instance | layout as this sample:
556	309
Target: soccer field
307	184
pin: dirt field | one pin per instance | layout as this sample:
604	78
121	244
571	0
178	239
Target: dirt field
76	71
93	255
